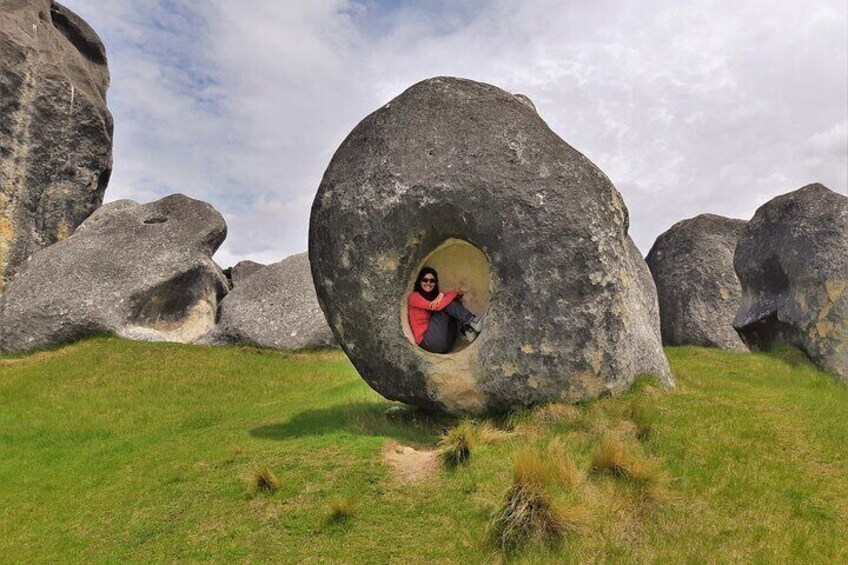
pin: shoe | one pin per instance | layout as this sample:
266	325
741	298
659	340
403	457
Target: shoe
476	324
470	334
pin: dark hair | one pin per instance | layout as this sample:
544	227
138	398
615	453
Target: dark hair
420	290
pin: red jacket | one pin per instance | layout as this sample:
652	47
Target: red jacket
419	309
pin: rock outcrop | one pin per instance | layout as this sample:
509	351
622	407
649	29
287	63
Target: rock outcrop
55	128
792	261
244	269
275	307
467	178
140	271
698	291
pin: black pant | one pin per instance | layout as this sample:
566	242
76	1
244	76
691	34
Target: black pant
442	330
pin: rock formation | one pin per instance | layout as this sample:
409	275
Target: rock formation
140	271
469	179
699	294
55	128
244	269
275	307
792	261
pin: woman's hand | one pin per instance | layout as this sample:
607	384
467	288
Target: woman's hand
437	301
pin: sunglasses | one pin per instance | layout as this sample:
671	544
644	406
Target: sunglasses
428	280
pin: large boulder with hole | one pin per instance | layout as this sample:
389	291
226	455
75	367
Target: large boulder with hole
698	291
55	128
467	178
792	262
274	307
140	271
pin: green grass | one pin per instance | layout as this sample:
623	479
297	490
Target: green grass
114	451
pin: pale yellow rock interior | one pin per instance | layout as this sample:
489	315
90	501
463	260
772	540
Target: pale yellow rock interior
451	378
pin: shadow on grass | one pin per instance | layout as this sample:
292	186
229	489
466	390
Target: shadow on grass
360	418
791	355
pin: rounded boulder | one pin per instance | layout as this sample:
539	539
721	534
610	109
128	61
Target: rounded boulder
467	178
274	307
142	271
792	262
698	291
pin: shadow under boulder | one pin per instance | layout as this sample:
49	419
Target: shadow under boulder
792	262
697	288
139	271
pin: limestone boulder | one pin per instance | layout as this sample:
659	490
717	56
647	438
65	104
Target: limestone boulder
55	128
275	307
140	271
698	291
244	269
467	178
792	262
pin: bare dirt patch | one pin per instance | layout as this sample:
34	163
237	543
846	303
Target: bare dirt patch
410	465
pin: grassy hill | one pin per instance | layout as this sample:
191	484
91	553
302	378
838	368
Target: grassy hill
116	451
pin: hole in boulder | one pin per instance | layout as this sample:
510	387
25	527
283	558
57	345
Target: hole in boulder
181	308
156	220
460	266
763	334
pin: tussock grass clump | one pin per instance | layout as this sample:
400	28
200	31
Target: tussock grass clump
562	466
339	509
614	458
263	480
455	444
529	513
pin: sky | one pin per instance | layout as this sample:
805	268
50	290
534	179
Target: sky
715	106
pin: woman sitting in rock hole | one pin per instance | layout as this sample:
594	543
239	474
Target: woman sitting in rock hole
435	317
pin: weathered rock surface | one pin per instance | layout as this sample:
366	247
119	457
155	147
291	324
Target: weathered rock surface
244	269
469	179
699	294
55	128
140	271
792	261
274	307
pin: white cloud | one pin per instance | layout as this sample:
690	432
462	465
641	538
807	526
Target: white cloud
711	107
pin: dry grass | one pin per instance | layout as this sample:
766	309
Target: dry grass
455	445
614	458
486	432
529	513
558	414
262	480
561	466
